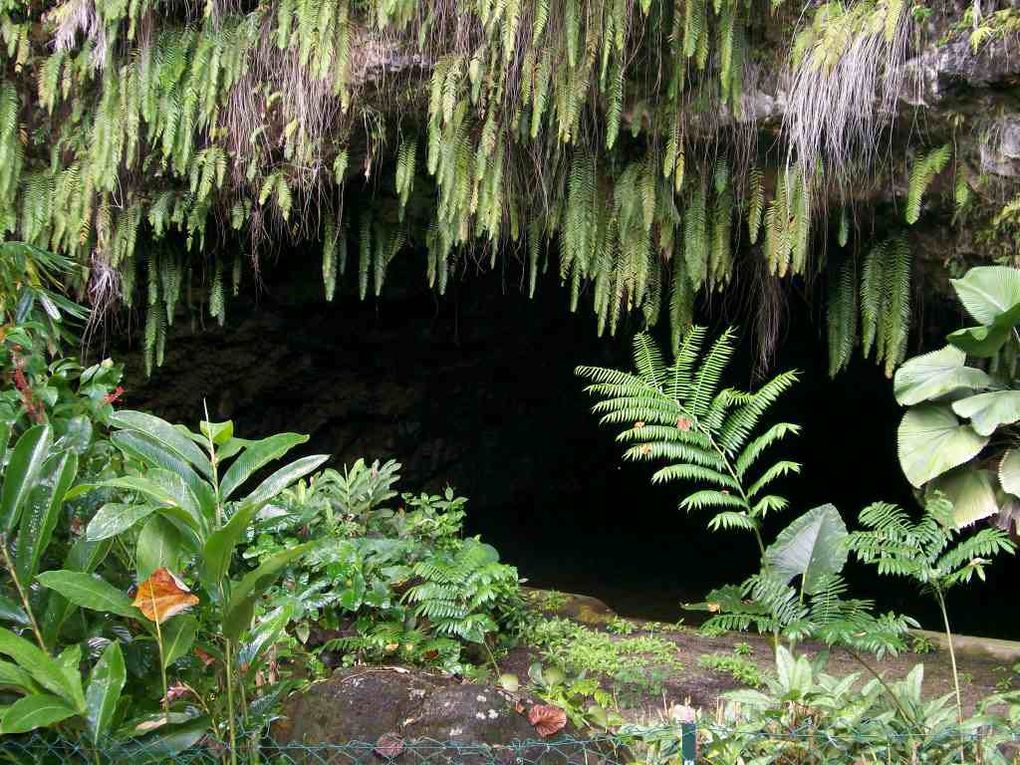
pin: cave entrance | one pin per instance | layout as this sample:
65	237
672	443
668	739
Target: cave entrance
476	389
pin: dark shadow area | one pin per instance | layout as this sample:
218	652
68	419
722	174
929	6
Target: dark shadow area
477	389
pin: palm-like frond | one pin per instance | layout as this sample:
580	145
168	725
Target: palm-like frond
706	435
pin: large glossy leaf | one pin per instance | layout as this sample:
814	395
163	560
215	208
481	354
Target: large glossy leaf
105	685
114	518
936	375
41	512
987	292
989	411
985	341
932	441
813	547
971	492
150	452
160	487
283	478
241	607
165	743
43	668
26	462
12	612
219	548
255	456
36	711
178	637
166	435
13	676
84	556
89	591
1009	472
160	545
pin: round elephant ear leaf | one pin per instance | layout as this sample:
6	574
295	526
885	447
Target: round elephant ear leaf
935	375
1009	472
162	596
972	494
989	411
988	292
932	441
547	719
812	547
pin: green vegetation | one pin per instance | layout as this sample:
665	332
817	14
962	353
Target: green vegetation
737	667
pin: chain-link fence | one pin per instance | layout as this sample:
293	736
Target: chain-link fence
676	744
604	749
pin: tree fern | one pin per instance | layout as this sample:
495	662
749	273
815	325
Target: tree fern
706	436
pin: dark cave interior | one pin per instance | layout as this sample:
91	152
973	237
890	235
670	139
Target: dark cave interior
476	389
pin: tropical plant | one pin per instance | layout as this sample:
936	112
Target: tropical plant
804	715
184	509
799	594
677	413
958	433
930	551
398	582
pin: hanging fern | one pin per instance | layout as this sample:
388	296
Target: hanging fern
922	174
841	317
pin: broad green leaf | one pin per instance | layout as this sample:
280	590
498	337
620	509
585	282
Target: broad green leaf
812	547
31	712
41	512
241	607
989	411
985	341
178	636
935	375
12	612
219	549
89	591
166	435
43	668
114	518
105	685
972	494
1009	472
160	545
255	456
283	478
219	432
5	437
26	461
987	292
13	676
151	453
169	492
84	556
78	436
165	743
931	441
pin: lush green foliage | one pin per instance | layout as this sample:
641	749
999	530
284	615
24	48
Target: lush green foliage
610	143
958	433
396	583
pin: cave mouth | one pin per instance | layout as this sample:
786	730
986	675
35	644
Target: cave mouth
477	390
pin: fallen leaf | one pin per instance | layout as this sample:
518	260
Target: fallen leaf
547	719
163	595
389	745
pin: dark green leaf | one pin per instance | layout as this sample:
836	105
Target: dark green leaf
41	512
256	455
105	685
89	591
113	518
26	461
31	712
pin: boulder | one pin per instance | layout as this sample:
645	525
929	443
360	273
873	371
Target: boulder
405	715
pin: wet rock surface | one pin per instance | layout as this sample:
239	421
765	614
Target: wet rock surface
402	715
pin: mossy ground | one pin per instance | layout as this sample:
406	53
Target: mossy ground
649	666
